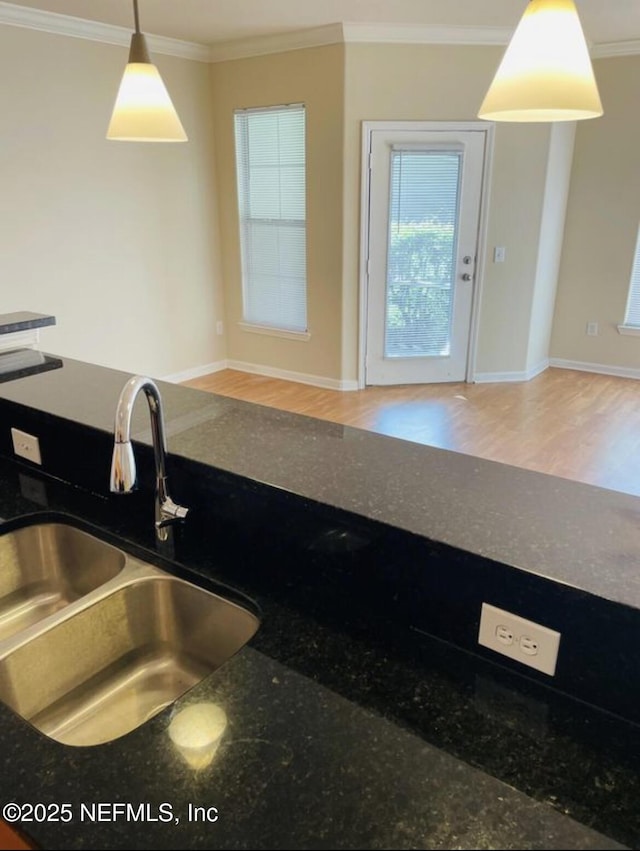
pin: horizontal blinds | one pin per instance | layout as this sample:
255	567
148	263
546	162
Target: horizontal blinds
270	163
632	316
423	215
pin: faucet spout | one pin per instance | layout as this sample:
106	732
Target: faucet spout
123	465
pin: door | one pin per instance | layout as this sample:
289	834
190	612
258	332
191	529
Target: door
424	211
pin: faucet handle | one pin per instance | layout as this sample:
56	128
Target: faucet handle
170	512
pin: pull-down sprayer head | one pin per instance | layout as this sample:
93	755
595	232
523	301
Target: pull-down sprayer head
123	463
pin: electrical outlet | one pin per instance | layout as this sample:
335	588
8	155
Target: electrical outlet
499	254
219	328
26	445
525	641
592	329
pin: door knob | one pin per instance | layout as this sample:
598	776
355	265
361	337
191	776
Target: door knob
467	277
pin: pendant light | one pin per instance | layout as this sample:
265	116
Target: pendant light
546	72
143	111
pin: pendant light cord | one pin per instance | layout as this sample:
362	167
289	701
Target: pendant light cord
136	15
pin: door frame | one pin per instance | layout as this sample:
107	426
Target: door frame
368	127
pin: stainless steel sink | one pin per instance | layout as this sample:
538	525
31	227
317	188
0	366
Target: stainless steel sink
119	653
45	567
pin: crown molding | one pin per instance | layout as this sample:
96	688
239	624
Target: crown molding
350	33
176	47
52	22
338	33
615	48
405	34
277	43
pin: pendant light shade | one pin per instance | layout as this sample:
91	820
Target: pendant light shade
143	111
546	72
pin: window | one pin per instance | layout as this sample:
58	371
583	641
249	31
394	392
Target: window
632	315
270	163
423	223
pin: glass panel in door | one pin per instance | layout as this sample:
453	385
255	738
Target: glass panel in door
423	214
421	263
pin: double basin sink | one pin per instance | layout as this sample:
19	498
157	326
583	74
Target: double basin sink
94	642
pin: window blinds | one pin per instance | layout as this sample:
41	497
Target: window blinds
270	165
423	219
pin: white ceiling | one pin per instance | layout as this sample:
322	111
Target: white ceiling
214	21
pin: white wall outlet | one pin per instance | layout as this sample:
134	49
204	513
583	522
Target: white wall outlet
499	254
525	641
219	328
26	445
592	329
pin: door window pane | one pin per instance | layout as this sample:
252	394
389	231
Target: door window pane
421	264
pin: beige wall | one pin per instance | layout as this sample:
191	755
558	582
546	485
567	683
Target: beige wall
314	77
602	225
122	241
554	210
445	83
515	218
118	240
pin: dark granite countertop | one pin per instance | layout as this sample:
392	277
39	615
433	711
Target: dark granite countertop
20	363
579	535
336	737
347	727
24	320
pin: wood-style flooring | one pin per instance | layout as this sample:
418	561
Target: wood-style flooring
578	425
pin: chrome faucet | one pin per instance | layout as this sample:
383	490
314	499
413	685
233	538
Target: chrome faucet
123	465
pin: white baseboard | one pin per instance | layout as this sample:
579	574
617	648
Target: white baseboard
497	377
602	368
538	369
196	372
290	375
259	369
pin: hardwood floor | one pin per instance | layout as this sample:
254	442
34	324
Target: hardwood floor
578	425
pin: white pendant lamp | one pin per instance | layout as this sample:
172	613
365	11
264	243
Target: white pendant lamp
143	111
546	72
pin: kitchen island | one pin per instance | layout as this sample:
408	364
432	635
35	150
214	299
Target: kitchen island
354	718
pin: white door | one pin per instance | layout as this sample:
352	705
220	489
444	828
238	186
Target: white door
424	211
